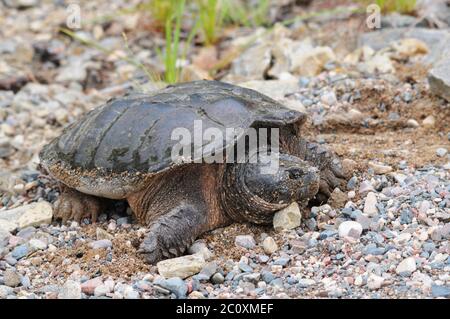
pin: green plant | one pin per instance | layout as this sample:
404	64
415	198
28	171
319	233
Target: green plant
160	10
400	6
254	13
210	19
170	55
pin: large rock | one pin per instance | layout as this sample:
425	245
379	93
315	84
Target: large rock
182	267
439	79
34	214
287	218
437	41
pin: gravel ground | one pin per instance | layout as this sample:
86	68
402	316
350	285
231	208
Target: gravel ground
386	236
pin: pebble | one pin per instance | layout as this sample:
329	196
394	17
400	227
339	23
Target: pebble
200	248
175	285
101	244
88	287
183	267
11	278
20	251
36	244
429	121
406	267
269	245
287	218
440	291
102	234
441	152
245	241
380	169
374	282
70	290
217	278
350	229
412	123
370	204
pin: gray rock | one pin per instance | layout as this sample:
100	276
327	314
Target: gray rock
217	278
175	285
245	241
101	244
11	278
440	291
200	248
5	291
20	251
441	152
406	267
439	79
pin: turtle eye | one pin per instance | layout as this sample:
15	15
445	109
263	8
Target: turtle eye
295	173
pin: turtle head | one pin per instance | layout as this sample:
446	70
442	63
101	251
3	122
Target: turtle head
261	188
290	179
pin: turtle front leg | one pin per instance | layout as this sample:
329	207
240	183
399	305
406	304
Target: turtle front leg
332	174
73	205
171	234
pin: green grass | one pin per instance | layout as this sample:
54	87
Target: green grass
210	19
400	6
170	55
240	12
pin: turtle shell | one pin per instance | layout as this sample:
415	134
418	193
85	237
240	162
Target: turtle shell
134	133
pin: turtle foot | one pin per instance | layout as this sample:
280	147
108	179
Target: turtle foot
73	205
171	234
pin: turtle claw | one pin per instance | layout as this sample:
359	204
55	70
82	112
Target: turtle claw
73	205
332	174
170	235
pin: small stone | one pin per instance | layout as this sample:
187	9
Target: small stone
406	267
370	204
338	198
441	152
217	279
88	287
365	187
374	282
287	218
200	248
269	245
11	278
130	293
101	244
350	229
329	98
70	290
412	123
183	267
175	285
245	241
440	291
20	252
103	234
101	290
36	244
429	121
196	295
380	169
5	291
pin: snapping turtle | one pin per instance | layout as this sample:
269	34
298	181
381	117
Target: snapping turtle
123	150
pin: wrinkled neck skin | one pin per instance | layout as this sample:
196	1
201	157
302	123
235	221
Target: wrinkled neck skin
239	203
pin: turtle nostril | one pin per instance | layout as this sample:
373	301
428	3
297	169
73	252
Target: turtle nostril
295	173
